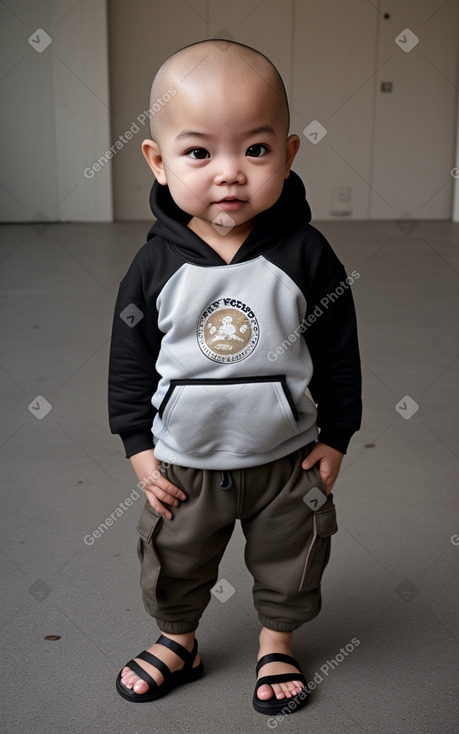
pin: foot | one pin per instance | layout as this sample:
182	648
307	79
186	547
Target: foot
132	681
271	641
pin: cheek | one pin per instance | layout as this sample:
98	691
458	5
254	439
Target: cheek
182	179
270	187
186	194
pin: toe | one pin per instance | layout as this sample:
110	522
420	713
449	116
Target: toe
265	692
279	691
288	689
132	681
293	688
128	678
285	689
140	686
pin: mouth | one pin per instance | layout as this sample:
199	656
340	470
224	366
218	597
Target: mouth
230	203
229	198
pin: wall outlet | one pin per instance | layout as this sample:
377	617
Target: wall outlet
341	201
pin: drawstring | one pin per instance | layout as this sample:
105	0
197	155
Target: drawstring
227	481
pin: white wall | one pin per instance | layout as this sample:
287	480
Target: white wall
55	111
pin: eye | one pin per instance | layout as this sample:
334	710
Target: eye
198	154
256	151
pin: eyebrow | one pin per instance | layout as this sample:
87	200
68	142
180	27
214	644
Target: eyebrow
263	129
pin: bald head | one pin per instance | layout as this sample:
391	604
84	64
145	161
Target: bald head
215	65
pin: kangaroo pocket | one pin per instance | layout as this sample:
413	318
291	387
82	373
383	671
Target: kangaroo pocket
239	416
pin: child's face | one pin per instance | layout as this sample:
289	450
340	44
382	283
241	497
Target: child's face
223	151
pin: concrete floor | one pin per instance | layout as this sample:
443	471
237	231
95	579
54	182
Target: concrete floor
390	592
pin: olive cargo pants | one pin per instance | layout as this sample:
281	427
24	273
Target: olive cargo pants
287	542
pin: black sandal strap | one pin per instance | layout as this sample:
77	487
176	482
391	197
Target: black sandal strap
138	670
276	657
155	662
182	652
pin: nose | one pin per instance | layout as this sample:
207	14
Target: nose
229	172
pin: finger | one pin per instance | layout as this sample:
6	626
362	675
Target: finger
173	490
164	496
311	459
157	505
168	490
168	487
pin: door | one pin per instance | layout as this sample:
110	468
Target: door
415	110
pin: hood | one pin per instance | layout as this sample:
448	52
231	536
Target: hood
289	211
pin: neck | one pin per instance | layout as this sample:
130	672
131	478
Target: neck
226	244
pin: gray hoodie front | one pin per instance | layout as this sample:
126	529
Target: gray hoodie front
226	366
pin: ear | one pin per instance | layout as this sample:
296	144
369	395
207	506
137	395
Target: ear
293	144
153	156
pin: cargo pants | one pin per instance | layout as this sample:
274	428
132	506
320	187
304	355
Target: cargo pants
287	542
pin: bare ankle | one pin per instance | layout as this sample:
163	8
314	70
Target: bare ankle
275	639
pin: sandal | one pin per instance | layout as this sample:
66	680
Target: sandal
187	674
275	706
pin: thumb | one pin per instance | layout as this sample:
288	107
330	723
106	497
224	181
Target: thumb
312	458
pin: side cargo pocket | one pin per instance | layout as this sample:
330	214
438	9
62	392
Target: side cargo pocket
318	547
148	527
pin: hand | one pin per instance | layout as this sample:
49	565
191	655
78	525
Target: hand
329	463
157	488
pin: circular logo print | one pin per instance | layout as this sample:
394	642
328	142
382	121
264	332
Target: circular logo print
227	331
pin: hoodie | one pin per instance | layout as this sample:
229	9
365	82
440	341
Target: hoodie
227	366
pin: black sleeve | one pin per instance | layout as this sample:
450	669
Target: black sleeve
133	377
331	336
330	331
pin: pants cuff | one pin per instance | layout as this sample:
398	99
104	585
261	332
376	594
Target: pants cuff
182	627
280	625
